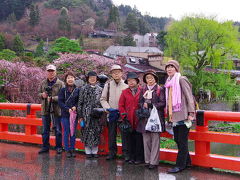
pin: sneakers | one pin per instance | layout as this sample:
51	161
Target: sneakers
43	151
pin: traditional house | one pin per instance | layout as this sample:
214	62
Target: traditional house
147	40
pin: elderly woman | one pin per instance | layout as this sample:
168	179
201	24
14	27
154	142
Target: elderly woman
181	111
67	100
89	98
151	95
128	103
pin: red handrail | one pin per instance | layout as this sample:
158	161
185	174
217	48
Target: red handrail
201	136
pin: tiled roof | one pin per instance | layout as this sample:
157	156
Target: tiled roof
141	68
124	50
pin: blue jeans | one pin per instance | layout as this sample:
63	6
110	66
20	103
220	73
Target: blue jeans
69	141
46	120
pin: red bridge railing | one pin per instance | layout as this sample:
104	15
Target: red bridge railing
202	137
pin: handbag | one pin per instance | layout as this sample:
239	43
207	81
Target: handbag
125	126
142	113
153	123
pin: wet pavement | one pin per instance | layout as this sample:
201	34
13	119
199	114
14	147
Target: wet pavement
22	162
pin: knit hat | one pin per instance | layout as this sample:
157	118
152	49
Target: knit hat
174	63
152	72
131	75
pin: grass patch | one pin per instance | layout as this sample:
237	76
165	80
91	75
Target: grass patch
226	127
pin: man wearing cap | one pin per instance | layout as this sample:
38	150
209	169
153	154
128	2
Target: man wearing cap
128	104
48	92
109	99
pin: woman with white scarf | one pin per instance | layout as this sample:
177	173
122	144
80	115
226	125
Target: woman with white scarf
181	111
151	95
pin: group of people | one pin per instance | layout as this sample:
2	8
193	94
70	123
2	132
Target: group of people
65	105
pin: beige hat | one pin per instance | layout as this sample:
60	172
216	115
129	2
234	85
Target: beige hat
174	63
51	67
115	67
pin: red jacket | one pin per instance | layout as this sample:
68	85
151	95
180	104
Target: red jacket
129	104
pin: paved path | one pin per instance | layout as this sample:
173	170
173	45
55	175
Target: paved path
22	162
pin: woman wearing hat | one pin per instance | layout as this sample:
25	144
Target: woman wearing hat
128	103
89	98
151	95
181	110
67	100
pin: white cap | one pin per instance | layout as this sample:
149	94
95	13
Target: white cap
115	67
51	67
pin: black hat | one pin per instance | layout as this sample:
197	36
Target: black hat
131	75
91	73
152	72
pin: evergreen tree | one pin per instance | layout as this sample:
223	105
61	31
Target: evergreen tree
113	15
142	26
128	41
34	15
39	50
64	23
131	23
161	39
18	45
11	19
2	42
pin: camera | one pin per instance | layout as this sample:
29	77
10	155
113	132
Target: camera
49	90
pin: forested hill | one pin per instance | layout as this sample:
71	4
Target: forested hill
105	14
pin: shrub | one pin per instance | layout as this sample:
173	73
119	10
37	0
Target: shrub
7	54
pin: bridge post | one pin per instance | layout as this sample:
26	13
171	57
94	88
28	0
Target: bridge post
29	129
202	148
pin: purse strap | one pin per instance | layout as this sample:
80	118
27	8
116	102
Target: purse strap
69	96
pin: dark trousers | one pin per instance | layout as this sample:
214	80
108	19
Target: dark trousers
46	120
181	138
112	143
135	145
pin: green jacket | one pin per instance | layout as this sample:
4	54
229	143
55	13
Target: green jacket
55	89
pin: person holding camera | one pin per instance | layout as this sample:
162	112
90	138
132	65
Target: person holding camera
48	92
68	100
128	104
151	95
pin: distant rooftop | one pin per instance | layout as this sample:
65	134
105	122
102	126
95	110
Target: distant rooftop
124	50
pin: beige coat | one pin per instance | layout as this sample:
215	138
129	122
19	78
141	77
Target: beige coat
115	92
188	104
55	89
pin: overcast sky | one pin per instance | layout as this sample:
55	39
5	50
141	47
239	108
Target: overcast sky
222	9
